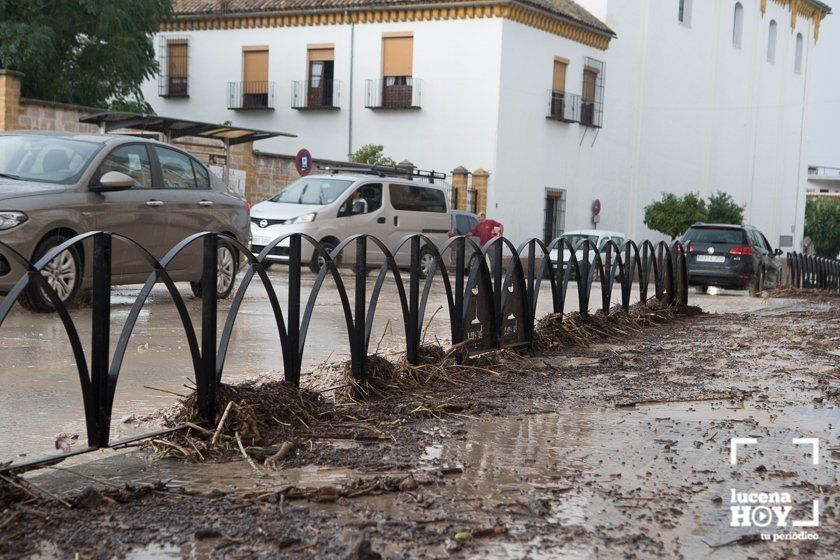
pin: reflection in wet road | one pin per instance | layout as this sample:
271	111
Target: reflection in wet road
41	396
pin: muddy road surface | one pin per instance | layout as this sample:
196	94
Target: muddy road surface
618	449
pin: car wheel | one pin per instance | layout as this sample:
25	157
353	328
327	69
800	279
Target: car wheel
318	260
63	274
227	265
757	283
427	260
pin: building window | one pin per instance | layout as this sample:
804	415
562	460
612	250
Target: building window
684	12
554	221
398	88
771	41
397	70
592	96
563	106
738	25
254	91
173	79
797	61
321	73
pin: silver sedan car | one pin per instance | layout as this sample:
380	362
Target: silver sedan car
54	186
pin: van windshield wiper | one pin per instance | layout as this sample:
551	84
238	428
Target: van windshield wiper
10	176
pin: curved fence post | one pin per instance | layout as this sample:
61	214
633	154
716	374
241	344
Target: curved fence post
412	350
100	341
291	361
358	351
206	382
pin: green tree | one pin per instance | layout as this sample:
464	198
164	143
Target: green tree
89	52
371	154
822	225
672	215
722	209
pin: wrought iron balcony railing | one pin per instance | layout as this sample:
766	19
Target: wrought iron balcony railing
563	106
591	113
395	92
251	96
316	95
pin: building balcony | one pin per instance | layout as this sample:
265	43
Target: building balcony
174	86
251	96
563	106
396	93
591	113
819	173
316	95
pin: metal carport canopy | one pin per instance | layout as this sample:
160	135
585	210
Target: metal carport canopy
172	128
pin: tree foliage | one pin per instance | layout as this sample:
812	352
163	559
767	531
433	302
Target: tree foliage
722	209
673	214
371	154
88	52
822	225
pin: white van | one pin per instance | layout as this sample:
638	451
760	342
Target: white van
332	207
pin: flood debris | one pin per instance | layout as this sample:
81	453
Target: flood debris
617	446
254	414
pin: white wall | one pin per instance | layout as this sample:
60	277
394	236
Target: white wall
710	116
457	61
822	145
535	153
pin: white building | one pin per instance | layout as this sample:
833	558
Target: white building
651	96
822	138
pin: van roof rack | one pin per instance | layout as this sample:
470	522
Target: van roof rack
385	171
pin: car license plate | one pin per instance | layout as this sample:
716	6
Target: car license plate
260	240
711	258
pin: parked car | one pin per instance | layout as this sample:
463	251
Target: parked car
54	186
731	256
598	238
332	207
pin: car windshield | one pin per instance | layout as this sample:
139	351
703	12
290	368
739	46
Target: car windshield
576	239
714	235
44	158
312	190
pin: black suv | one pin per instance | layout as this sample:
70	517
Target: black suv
731	256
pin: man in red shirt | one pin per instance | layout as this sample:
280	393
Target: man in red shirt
487	229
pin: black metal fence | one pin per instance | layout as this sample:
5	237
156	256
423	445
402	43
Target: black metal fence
491	295
809	271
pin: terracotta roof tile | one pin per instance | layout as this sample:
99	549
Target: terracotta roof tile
566	9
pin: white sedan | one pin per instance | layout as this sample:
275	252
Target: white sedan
598	238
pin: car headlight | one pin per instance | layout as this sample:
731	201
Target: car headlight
8	220
306	218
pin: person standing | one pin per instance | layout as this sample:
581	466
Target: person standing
487	229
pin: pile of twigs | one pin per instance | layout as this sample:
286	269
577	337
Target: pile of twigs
253	413
555	331
794	292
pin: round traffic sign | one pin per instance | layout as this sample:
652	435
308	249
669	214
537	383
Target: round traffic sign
596	206
303	162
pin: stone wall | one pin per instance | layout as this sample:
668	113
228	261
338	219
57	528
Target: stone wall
46	115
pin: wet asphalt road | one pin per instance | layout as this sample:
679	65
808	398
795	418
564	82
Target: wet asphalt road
41	395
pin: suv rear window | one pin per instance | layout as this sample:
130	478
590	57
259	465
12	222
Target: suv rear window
417	199
714	235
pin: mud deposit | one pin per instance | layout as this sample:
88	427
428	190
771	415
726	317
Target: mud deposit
620	449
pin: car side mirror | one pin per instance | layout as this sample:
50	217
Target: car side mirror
777	252
113	181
